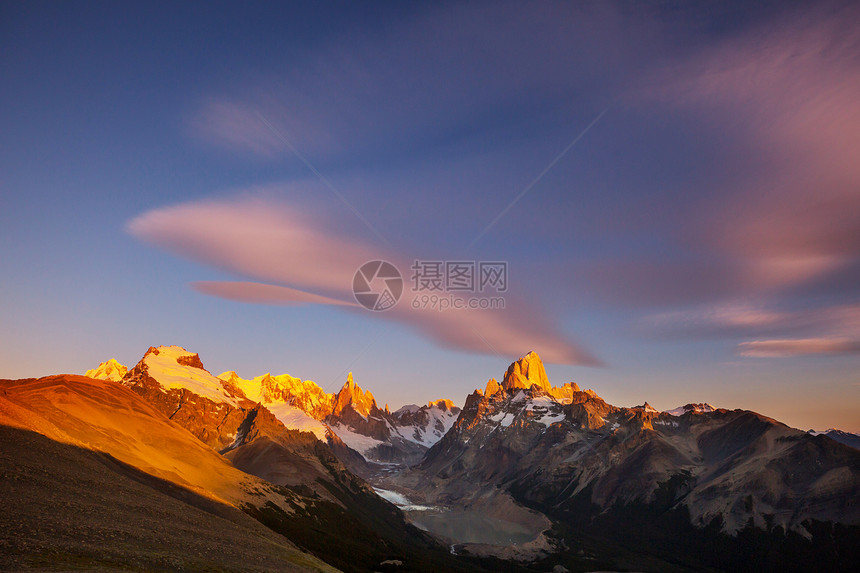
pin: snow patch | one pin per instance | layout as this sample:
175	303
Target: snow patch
549	419
504	419
400	500
296	419
358	442
695	408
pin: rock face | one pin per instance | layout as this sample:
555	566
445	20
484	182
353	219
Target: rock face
355	410
110	370
526	372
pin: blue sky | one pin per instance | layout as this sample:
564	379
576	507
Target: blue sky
697	241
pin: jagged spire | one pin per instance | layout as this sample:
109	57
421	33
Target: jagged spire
350	394
526	372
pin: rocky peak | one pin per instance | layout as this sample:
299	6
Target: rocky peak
442	404
230	376
646	407
526	372
350	394
110	370
492	387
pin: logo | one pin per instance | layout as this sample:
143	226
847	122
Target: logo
377	285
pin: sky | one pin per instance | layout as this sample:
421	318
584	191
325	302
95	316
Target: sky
673	189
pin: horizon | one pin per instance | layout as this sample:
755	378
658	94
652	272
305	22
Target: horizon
659	200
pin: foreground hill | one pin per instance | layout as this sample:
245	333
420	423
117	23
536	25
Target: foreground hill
92	477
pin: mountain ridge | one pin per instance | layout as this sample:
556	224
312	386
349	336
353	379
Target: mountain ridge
530	456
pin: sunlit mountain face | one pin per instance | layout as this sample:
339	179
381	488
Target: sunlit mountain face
439	286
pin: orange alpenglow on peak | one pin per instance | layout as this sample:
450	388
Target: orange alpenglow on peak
526	372
442	404
362	401
110	370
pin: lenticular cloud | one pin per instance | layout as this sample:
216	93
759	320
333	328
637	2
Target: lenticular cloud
293	257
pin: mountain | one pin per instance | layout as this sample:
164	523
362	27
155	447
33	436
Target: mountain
713	476
694	408
553	477
381	436
847	438
110	370
350	420
426	424
333	513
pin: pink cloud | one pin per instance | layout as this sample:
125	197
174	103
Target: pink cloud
307	258
838	321
259	293
792	92
780	348
260	238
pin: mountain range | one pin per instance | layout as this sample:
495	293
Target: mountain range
526	476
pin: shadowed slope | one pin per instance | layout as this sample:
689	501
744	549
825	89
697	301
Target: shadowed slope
105	416
69	507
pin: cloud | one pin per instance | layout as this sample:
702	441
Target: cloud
735	319
781	348
793	93
775	216
259	293
822	330
305	257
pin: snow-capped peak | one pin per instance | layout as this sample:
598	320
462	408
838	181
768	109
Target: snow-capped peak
649	408
695	408
174	368
110	370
